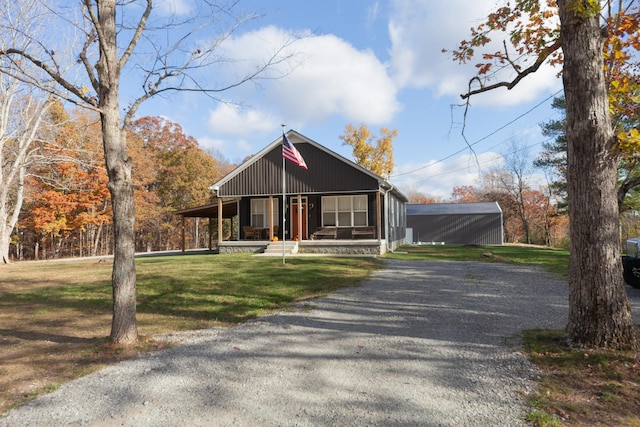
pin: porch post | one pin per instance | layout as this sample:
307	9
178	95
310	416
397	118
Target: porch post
378	219
300	217
270	217
183	236
219	221
210	233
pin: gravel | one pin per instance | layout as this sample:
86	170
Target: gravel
418	344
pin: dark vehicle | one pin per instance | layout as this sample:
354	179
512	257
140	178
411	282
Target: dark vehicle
631	262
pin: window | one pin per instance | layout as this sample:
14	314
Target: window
260	212
344	211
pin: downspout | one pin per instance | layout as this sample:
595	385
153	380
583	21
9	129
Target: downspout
387	217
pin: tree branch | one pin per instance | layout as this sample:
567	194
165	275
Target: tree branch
136	36
544	54
51	72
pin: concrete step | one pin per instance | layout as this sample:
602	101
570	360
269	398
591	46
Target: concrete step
275	248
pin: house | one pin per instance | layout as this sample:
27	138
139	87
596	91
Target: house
335	206
451	223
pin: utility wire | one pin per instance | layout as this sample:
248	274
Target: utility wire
481	139
484	162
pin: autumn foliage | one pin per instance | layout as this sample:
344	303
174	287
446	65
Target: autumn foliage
67	209
370	152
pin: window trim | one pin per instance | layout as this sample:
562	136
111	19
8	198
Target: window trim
352	211
264	211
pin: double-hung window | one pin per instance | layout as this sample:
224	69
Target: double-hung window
344	211
260	212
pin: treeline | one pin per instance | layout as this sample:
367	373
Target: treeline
67	207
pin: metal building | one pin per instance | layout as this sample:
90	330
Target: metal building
456	223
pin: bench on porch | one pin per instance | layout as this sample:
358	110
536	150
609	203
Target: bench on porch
329	232
363	231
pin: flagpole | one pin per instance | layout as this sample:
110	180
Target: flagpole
284	202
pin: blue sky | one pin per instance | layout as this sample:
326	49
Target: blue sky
379	63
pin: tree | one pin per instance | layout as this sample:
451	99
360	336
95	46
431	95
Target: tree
465	194
20	120
22	109
553	157
377	158
172	173
515	181
68	197
599	311
416	196
110	32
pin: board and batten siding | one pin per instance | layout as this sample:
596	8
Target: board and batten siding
326	174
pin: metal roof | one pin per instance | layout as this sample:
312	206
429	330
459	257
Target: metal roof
229	210
453	208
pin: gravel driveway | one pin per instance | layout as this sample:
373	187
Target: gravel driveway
418	344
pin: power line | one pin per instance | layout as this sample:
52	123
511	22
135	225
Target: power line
484	162
483	138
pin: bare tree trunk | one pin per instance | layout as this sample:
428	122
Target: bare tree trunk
599	311
95	240
123	327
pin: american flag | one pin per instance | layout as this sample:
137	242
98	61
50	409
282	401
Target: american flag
290	153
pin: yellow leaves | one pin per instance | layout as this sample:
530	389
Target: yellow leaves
584	8
377	158
629	141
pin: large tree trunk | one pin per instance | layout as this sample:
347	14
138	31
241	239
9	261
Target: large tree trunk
9	212
123	327
599	311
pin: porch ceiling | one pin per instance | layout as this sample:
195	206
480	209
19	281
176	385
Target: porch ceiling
229	210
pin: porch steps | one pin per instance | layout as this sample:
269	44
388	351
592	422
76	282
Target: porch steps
275	248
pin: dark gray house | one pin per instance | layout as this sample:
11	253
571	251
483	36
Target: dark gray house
334	206
456	223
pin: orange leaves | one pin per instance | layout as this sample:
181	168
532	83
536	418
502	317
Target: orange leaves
530	28
70	192
483	68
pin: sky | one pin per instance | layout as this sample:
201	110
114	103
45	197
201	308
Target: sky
377	63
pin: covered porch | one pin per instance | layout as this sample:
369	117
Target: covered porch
237	236
216	213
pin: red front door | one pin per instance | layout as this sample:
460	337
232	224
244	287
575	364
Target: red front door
294	221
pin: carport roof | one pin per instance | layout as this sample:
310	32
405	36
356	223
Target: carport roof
229	210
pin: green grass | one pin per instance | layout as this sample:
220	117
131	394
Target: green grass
554	260
192	289
232	288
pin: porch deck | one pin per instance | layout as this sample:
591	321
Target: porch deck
360	247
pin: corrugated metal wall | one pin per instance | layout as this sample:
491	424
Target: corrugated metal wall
468	229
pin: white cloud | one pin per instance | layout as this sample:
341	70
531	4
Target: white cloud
420	30
336	78
234	150
175	7
439	178
372	14
324	76
231	120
